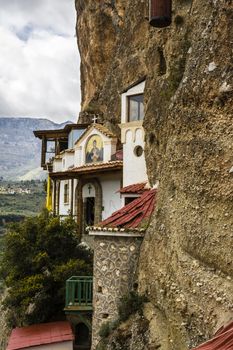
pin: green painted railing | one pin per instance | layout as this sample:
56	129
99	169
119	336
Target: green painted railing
79	291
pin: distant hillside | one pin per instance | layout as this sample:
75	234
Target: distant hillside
19	149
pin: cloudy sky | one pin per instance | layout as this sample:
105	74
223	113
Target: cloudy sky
39	60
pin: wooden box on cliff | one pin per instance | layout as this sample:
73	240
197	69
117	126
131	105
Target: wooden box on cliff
160	13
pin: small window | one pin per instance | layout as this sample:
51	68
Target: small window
135	108
129	200
66	193
138	151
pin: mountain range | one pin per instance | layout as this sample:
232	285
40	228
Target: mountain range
19	149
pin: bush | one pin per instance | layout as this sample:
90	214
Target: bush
39	254
107	328
130	304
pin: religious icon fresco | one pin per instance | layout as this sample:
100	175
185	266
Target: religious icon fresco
94	149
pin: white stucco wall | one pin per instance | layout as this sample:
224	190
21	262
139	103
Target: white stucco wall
88	192
134	168
111	197
80	149
67	160
66	345
138	89
57	164
64	208
111	183
132	135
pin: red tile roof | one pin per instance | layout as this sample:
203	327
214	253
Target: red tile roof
99	127
222	340
135	188
134	215
93	166
88	169
118	155
40	334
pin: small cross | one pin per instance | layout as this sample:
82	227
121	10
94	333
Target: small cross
95	119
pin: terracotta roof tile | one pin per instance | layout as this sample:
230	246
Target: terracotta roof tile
134	215
118	155
88	169
222	340
91	166
104	130
39	334
135	188
99	127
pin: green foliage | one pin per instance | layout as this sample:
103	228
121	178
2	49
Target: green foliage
107	328
40	254
130	304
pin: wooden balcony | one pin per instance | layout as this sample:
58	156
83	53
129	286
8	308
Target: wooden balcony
79	292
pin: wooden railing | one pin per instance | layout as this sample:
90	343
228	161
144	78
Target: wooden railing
79	292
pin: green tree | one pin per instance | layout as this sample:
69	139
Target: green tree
40	254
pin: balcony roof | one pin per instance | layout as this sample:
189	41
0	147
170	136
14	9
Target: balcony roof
87	169
58	133
138	188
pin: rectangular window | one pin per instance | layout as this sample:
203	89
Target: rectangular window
129	200
135	108
66	193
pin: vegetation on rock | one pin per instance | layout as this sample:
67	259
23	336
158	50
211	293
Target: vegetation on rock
130	304
40	254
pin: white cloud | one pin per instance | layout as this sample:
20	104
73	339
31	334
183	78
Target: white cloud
39	60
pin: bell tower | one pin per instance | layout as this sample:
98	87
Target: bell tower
132	134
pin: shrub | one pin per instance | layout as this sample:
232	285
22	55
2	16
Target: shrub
39	254
130	304
107	328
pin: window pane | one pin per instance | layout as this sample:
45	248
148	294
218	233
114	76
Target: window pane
141	111
133	110
136	108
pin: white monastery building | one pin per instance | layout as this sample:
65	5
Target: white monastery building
89	165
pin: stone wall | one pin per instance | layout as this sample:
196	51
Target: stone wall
115	263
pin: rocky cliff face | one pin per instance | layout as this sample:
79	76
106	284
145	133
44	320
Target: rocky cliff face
186	264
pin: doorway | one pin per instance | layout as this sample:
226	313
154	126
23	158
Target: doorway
82	337
89	211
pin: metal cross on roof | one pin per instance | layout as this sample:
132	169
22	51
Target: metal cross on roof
95	119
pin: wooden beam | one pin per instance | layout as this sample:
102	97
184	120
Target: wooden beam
72	197
54	196
43	151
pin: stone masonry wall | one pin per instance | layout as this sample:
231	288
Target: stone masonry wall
115	264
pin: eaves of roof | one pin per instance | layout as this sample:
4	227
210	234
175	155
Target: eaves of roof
40	334
91	168
135	216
